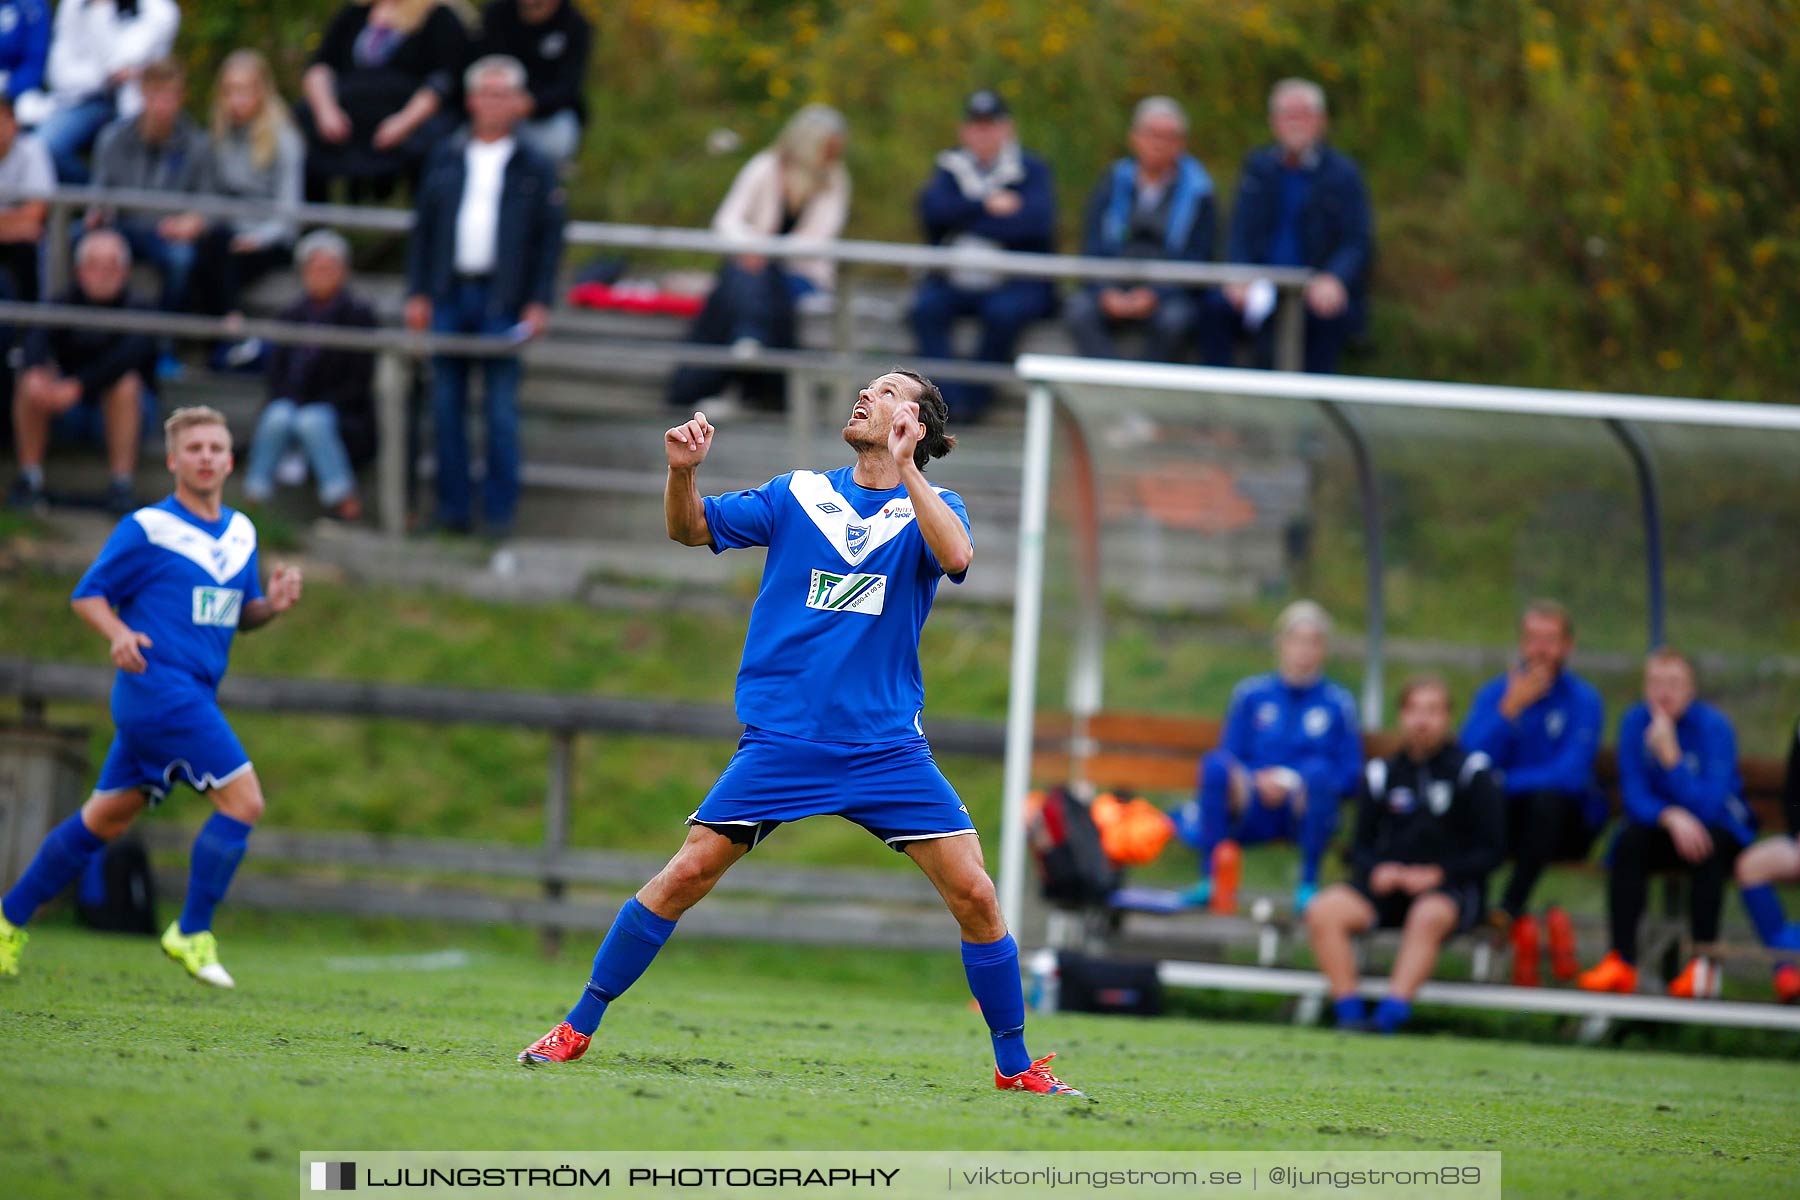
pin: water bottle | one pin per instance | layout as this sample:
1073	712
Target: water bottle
1046	981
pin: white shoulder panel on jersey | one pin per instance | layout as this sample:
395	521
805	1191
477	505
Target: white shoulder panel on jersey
221	557
853	537
1376	774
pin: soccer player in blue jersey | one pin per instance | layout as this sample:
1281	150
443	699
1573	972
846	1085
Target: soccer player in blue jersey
174	582
830	694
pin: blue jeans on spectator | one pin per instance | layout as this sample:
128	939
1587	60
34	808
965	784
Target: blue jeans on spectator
744	305
466	311
1004	311
315	428
68	133
1223	327
174	261
1168	330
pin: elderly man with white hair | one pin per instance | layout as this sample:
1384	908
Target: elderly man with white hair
1156	203
320	397
1300	203
1290	751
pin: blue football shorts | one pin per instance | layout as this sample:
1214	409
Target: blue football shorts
187	742
892	789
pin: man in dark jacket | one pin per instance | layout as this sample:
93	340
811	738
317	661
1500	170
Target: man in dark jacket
1429	828
1157	203
985	194
1300	203
319	396
486	239
551	40
85	383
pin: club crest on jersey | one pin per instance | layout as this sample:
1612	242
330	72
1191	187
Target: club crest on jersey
1438	796
1555	722
832	592
1316	722
856	538
1401	800
1267	713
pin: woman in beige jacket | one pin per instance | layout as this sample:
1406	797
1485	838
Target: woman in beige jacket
796	188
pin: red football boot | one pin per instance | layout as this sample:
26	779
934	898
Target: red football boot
560	1045
1036	1078
1787	983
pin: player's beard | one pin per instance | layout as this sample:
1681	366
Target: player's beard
865	441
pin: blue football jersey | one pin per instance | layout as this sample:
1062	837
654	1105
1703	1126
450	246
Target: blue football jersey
832	654
182	581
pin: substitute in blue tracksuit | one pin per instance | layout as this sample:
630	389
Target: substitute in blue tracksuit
1540	726
1291	750
1684	811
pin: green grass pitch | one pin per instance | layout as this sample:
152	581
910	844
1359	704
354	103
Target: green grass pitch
119	1077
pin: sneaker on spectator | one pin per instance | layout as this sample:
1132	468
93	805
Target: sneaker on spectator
1787	984
26	496
168	367
1525	951
1612	974
121	500
1699	980
1561	928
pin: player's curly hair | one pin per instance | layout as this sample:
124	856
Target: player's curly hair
934	415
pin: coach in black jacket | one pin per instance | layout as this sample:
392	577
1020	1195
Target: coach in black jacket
1430	826
487	235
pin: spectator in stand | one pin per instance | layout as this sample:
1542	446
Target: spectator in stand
1430	825
85	384
987	194
256	155
1540	725
1684	811
1300	203
159	150
25	171
1289	754
552	40
798	187
24	48
1771	861
98	51
319	397
486	239
1158	203
380	94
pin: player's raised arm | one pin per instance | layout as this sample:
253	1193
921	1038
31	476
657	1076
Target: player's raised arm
942	528
684	512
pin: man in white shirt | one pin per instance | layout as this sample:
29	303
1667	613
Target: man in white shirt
98	48
482	261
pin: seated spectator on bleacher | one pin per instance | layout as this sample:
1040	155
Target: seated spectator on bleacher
320	398
1156	203
380	94
1540	725
798	187
551	39
256	155
1684	811
487	237
1300	203
159	150
98	52
1429	827
24	48
1771	861
1289	753
25	171
989	194
85	384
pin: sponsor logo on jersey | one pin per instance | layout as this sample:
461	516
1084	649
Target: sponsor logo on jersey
832	592
1316	722
218	606
1439	795
856	537
828	507
903	511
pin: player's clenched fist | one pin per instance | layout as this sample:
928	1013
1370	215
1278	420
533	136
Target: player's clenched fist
688	443
283	591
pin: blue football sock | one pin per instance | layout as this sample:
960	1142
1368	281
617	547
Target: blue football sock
1349	1010
1764	907
1392	1013
993	971
218	849
58	861
635	937
1787	937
